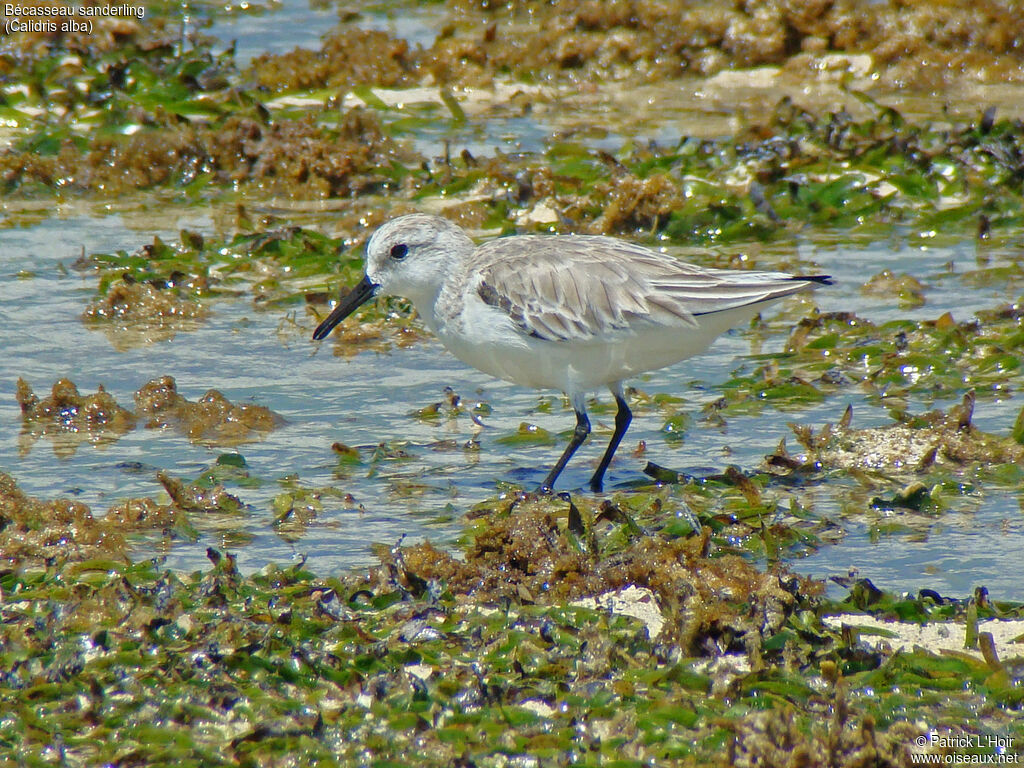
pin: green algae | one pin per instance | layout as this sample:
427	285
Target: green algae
527	434
297	508
286	665
277	267
163	118
1018	428
452	408
889	363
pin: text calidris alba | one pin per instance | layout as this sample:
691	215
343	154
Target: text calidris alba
567	312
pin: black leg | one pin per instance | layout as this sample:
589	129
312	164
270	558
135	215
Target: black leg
578	436
623	417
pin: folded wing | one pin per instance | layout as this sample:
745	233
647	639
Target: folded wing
580	287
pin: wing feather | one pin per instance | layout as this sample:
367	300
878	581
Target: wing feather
563	288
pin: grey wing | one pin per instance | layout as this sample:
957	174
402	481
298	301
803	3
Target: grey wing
580	287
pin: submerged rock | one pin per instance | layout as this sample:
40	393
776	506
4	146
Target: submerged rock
711	603
211	419
140	514
191	497
69	418
32	530
131	301
134	314
934	438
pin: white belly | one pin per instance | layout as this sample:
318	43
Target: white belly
489	341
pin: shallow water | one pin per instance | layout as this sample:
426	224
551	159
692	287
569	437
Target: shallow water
258	356
293	24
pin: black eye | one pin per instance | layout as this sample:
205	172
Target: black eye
399	251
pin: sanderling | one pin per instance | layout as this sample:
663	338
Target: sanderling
566	312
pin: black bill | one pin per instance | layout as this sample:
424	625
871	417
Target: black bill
358	296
